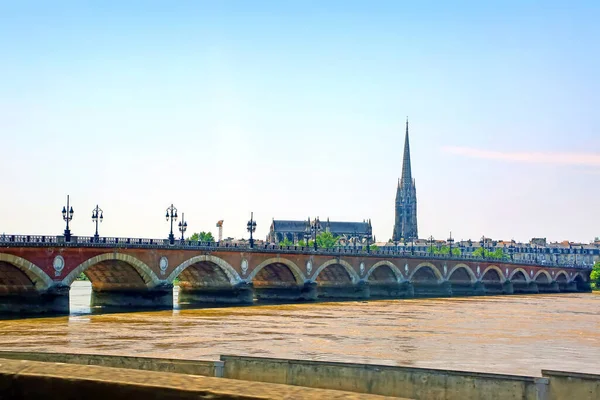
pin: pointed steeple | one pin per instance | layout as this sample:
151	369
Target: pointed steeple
406	171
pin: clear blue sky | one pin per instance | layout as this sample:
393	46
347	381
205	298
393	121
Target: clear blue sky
293	109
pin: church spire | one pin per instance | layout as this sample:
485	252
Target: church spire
406	172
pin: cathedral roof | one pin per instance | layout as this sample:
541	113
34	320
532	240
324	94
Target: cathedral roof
335	227
289	226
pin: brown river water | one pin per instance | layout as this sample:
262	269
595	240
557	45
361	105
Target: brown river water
503	334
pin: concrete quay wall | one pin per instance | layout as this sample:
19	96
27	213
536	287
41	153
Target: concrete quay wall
394	381
26	380
417	383
572	385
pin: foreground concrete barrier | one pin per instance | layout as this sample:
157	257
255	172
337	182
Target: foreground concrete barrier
191	367
417	383
406	382
572	385
36	380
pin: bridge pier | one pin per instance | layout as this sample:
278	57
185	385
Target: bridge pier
468	289
391	290
361	290
525	288
54	300
305	292
433	289
241	293
158	297
508	288
551	287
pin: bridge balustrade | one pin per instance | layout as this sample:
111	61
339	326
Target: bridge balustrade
43	240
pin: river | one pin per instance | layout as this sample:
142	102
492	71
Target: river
503	334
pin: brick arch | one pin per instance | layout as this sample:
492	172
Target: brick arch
465	267
543	272
495	268
231	273
38	278
429	265
395	270
578	274
561	272
298	275
148	276
527	277
349	269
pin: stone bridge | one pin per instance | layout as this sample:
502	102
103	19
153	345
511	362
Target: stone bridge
36	277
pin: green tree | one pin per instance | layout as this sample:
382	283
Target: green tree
497	254
202	236
374	247
326	240
82	277
286	242
595	276
302	243
443	250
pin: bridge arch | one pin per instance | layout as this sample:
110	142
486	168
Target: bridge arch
395	270
563	274
39	279
497	270
521	270
578	275
354	278
543	272
429	266
225	267
291	266
465	267
144	271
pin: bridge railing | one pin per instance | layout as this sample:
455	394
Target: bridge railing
90	241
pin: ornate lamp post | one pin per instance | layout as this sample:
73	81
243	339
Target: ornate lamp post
450	241
171	215
182	226
67	214
314	228
511	251
354	239
482	244
368	236
307	232
97	215
431	244
251	227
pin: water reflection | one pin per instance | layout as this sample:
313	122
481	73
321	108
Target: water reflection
506	334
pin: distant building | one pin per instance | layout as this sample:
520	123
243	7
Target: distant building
405	226
295	231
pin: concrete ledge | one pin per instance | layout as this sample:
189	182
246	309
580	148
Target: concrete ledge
191	367
572	385
418	383
34	380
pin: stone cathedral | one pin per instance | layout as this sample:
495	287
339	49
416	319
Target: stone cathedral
405	226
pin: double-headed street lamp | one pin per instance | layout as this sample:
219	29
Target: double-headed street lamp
251	226
482	244
97	216
431	244
307	232
450	241
67	213
368	236
315	227
511	250
171	215
182	226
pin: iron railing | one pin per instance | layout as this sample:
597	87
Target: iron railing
90	241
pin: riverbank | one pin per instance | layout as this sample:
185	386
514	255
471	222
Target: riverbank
285	376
